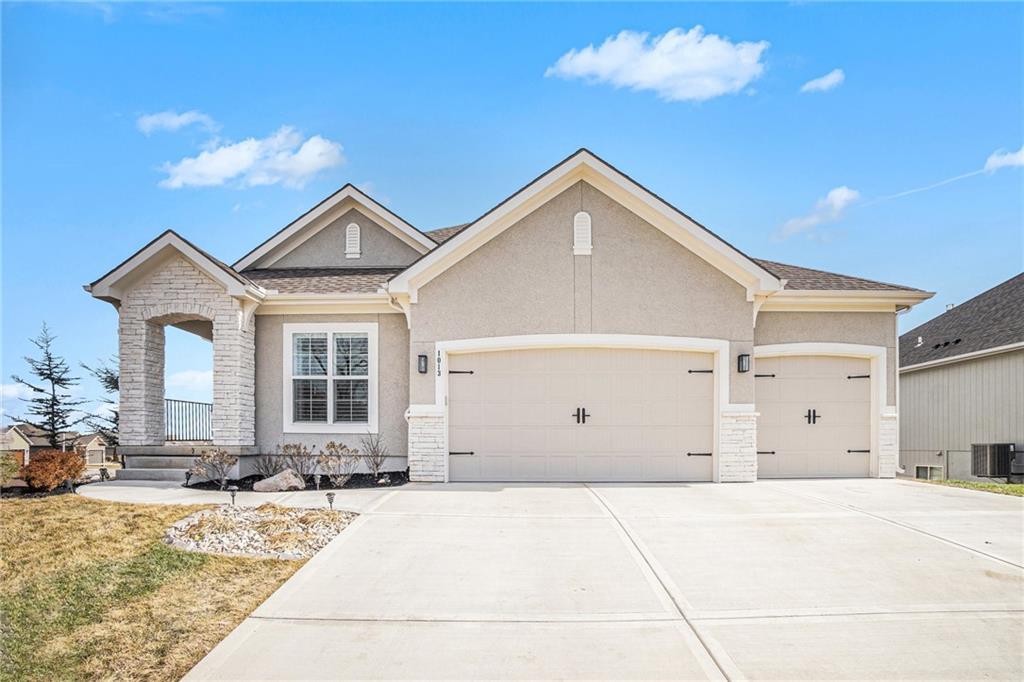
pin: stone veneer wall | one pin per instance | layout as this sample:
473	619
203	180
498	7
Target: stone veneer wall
175	292
427	437
888	445
737	447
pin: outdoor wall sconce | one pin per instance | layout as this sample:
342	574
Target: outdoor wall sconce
743	363
421	364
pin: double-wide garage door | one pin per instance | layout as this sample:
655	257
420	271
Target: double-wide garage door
581	414
815	417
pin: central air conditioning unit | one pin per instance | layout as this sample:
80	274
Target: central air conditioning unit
991	460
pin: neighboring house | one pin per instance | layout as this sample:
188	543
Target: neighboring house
93	447
14	440
962	382
582	329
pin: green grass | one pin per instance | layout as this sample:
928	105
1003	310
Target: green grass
1015	489
89	591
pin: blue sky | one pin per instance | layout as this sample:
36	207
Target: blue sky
440	111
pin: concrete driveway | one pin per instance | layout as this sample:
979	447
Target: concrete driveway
849	579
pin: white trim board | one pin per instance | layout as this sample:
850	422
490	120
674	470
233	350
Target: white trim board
332	207
585	166
879	378
719	347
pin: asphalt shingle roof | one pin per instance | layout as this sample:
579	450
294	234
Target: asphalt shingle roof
322	280
989	320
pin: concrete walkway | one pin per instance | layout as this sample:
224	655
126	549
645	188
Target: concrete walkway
167	492
854	579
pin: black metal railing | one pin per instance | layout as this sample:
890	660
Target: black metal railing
188	420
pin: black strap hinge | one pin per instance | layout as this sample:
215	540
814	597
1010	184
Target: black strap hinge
859	452
460	371
858	376
764	376
698	454
462	453
700	371
766	452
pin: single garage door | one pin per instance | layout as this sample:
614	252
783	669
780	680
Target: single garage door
581	414
815	417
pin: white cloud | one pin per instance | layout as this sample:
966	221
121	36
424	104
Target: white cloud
830	80
192	380
1001	159
828	209
172	120
283	157
679	65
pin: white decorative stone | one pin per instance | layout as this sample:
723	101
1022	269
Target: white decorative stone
737	447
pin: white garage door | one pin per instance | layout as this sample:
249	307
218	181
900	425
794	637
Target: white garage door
815	417
644	415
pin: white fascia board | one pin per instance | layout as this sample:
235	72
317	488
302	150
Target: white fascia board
843	300
302	304
974	355
370	208
107	287
585	166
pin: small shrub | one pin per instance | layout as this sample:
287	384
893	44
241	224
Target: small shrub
9	467
375	452
48	469
268	465
215	465
299	459
338	462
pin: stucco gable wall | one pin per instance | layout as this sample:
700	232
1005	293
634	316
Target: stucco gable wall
326	248
872	329
527	281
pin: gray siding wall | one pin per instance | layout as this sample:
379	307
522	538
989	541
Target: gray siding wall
527	281
950	407
393	384
326	249
872	329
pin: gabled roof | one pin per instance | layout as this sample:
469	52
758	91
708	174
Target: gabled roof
107	287
585	165
809	279
990	320
360	200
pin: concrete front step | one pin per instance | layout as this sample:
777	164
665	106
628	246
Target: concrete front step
177	475
158	462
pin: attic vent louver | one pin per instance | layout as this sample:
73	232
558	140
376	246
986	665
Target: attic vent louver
352	242
581	234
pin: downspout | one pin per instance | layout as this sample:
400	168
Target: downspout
900	469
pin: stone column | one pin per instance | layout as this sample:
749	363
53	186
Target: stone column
888	443
737	447
427	437
141	395
234	380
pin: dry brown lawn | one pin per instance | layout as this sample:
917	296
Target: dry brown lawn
89	591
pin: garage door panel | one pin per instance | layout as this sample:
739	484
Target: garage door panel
842	406
646	411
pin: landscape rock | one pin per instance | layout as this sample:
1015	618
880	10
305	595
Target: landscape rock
286	480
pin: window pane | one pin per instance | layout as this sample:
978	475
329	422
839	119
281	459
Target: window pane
351	355
309	400
351	400
309	354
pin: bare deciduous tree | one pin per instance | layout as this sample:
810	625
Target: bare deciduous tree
374	452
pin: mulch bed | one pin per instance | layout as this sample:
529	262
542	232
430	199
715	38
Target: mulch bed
393	479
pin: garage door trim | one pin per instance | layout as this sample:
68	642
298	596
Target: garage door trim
875	354
719	347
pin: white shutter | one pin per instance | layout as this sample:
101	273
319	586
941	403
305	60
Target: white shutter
581	234
352	246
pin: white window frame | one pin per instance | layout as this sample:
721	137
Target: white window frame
373	374
357	251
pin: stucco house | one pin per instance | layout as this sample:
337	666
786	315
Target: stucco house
582	329
962	383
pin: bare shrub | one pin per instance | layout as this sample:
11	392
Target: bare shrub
375	452
266	466
298	458
9	467
215	465
338	462
48	469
